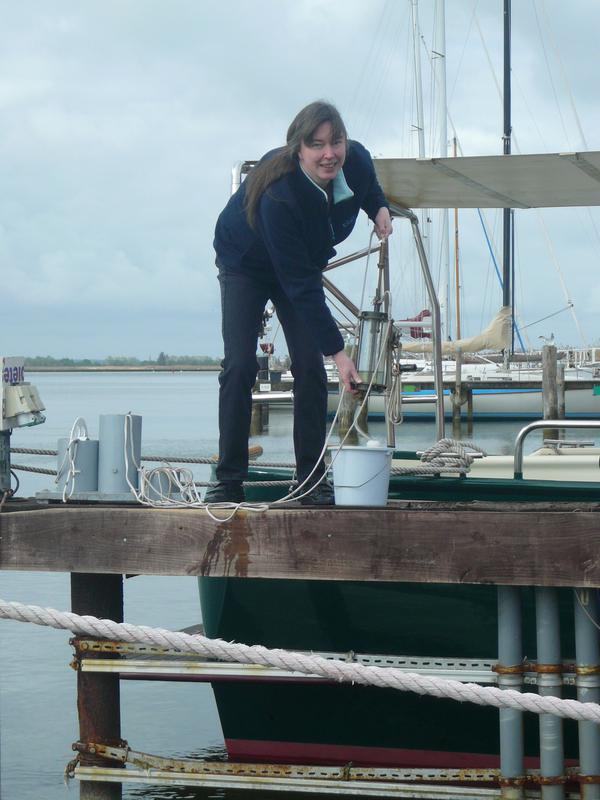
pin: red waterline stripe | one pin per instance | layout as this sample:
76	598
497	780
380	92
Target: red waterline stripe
334	754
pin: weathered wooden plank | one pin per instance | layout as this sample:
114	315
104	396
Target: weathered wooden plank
427	543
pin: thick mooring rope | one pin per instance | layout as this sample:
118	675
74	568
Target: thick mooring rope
332	669
39	470
447	455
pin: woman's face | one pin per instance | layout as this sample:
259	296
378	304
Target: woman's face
323	156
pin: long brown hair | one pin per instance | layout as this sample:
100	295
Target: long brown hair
302	129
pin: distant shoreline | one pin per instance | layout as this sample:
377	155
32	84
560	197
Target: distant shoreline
126	368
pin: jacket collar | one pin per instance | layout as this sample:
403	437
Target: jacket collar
341	190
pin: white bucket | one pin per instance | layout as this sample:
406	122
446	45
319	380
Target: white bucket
361	475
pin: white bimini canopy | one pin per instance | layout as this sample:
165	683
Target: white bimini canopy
550	180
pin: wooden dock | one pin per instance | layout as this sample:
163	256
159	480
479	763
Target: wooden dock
429	542
544	545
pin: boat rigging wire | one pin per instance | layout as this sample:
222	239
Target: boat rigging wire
538	212
567	85
341	311
552	84
549	316
464	49
553	41
368	68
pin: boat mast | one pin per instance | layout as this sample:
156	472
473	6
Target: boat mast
425	216
441	148
456	260
507	213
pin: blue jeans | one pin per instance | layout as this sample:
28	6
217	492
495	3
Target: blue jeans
243	299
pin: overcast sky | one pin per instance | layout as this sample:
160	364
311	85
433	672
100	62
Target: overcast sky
121	120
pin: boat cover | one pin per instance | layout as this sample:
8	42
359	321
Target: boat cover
504	181
495	337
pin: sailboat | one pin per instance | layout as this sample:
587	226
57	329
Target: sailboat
505	390
448	627
299	721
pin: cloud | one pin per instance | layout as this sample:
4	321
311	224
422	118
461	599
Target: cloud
121	121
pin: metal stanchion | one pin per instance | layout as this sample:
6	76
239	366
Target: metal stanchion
549	668
587	650
510	676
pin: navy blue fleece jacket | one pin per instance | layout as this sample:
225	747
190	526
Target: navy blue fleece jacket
295	233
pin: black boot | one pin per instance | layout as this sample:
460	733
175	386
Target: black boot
225	492
321	495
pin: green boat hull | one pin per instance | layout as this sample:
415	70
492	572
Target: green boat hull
311	722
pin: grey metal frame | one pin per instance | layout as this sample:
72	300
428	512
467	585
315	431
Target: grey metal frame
581	424
435	316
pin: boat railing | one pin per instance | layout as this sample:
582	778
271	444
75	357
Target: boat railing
436	319
581	424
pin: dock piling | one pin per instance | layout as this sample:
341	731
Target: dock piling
457	396
348	405
5	478
98	695
259	422
550	388
560	391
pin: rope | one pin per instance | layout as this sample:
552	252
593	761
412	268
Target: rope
28	451
79	433
257	484
41	470
447	455
333	669
434	468
250	484
431	469
176	459
183	459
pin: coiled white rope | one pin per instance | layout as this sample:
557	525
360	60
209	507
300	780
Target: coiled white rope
453	448
180	481
79	433
333	669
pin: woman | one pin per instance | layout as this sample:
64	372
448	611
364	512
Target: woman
272	240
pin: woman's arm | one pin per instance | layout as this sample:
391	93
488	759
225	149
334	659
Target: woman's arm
383	223
300	279
347	371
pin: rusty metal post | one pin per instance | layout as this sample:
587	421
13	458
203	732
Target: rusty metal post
510	676
552	758
98	695
587	654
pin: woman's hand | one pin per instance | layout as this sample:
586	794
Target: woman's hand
347	370
383	223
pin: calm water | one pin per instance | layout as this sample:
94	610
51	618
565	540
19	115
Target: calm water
37	687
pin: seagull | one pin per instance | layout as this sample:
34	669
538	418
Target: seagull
547	339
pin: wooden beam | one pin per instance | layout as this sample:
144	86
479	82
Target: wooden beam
421	542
